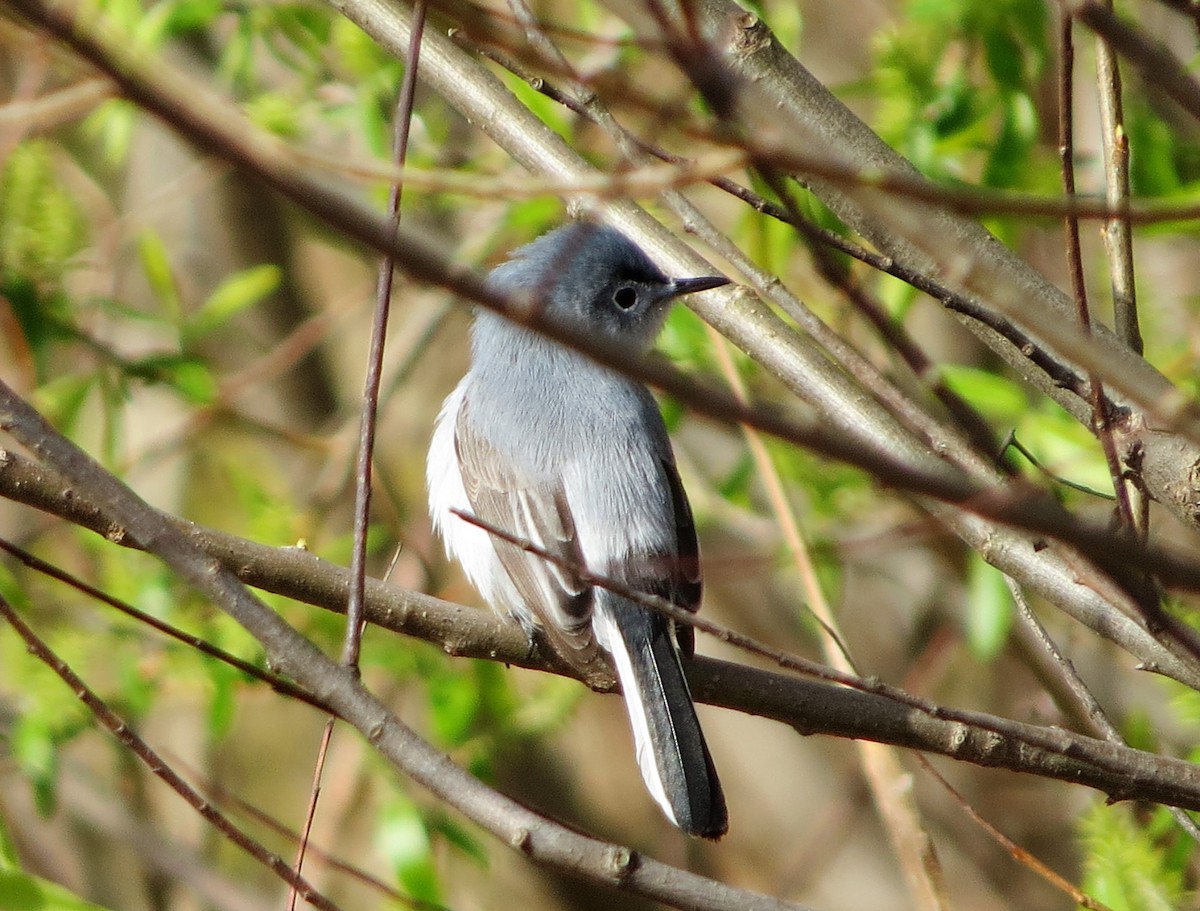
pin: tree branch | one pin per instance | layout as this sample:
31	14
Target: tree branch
808	706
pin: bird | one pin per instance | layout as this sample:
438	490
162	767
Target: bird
553	448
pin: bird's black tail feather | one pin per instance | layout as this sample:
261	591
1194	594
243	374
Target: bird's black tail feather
671	751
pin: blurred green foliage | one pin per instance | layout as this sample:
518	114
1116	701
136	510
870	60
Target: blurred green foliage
41	225
959	86
1133	863
955	86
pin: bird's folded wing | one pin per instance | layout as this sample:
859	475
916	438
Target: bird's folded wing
536	510
686	581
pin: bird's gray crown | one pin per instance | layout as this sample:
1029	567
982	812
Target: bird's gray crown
592	277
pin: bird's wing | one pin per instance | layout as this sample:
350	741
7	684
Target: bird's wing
686	580
533	509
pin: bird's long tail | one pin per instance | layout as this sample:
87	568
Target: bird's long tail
671	751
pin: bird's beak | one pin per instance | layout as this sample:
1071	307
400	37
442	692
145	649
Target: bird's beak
692	285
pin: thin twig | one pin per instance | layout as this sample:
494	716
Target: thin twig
370	409
634	148
314	795
1059	373
295	573
881	768
1117	234
889	784
978	201
425	267
355	620
1160	68
964	415
1043	739
1012	441
535	836
1015	851
167	98
223	795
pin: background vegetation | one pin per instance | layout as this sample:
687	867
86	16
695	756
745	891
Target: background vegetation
204	337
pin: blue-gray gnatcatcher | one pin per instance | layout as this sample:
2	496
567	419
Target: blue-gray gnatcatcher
546	444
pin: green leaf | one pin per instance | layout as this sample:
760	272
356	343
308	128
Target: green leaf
1064	447
339	549
1008	162
955	108
239	291
222	706
459	837
735	486
988	613
150	29
156	266
34	744
8	850
112	124
552	114
999	399
35	321
1156	152
356	51
453	705
62	399
24	892
684	339
403	840
307	28
192	15
547	708
1005	58
276	113
11	590
186	375
137	690
530	217
236	65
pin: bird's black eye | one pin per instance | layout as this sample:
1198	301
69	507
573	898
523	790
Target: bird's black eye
625	297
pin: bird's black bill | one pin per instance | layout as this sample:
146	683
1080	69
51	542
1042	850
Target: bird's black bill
692	285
